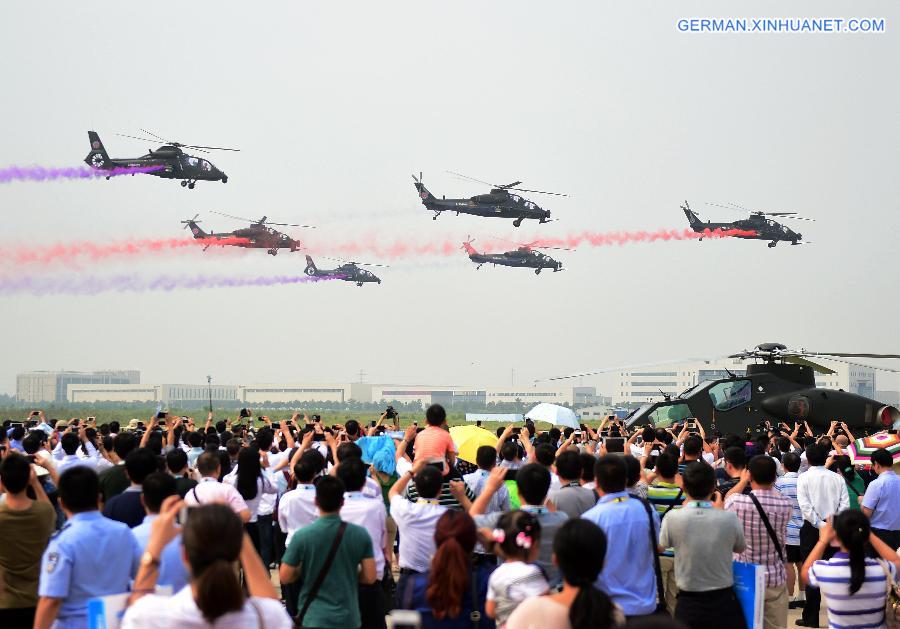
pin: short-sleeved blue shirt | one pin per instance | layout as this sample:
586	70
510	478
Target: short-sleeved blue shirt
91	556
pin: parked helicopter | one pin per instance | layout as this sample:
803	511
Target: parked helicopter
499	203
349	272
257	236
782	386
524	256
174	163
758	227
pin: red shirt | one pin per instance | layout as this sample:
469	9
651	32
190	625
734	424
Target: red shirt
433	444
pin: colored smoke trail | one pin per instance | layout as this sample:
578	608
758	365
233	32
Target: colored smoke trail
370	246
99	251
373	246
94	285
39	173
595	239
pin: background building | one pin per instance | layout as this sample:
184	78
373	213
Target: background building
51	386
167	395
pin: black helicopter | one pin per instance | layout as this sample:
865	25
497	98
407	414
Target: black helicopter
782	386
524	256
499	203
756	227
257	236
348	271
173	162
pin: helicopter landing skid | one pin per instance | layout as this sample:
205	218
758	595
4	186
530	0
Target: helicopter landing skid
518	221
773	243
272	252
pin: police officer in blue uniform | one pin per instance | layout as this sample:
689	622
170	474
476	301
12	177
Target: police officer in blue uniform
90	556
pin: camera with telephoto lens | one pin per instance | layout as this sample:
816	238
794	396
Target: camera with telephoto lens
390	413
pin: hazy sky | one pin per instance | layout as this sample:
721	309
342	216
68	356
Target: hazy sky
334	104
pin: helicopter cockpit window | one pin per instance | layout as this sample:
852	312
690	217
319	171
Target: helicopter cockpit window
515	198
728	395
667	415
205	165
191	161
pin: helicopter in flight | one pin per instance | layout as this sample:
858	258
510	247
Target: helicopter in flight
498	203
757	227
523	256
174	163
348	271
257	236
781	385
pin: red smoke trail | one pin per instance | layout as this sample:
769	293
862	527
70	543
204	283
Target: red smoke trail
595	239
100	251
370	246
375	247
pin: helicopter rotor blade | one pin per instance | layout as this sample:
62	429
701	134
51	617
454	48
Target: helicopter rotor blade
850	362
292	225
726	207
134	137
237	218
555	194
629	368
799	360
354	262
209	148
158	137
846	355
469	178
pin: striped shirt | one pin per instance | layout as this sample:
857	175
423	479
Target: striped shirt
760	548
787	485
845	610
665	497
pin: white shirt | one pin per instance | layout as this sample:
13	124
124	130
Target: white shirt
821	493
296	509
370	514
211	490
180	611
73	460
416	522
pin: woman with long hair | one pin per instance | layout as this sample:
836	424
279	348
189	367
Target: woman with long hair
854	585
444	595
213	540
856	487
579	549
251	482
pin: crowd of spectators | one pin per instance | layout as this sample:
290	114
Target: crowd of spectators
294	523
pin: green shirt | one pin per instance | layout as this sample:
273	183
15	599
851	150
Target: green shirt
856	489
26	534
308	549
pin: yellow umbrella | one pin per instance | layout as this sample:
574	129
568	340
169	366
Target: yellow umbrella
469	438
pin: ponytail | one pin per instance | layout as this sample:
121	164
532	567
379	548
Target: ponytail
449	579
852	529
857	548
591	609
218	590
212	565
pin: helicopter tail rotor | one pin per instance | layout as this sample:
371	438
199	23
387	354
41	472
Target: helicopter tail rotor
188	222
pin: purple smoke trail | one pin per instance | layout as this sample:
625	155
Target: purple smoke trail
39	173
92	285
